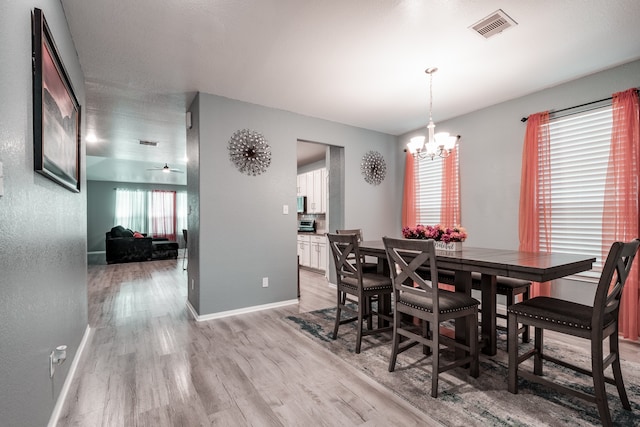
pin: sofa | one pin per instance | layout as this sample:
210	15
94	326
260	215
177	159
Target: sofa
124	245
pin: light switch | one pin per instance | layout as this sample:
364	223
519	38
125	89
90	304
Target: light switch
285	209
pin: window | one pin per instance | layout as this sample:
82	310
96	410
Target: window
579	158
432	204
157	213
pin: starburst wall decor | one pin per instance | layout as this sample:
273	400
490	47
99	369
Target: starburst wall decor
373	167
249	152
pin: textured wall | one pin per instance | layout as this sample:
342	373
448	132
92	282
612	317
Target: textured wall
193	197
43	298
491	158
243	235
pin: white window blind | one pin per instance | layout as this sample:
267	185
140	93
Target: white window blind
579	158
429	197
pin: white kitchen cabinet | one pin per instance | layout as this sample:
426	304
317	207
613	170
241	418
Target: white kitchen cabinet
312	250
304	250
318	255
313	185
316	190
302	185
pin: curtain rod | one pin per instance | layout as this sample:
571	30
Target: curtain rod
524	119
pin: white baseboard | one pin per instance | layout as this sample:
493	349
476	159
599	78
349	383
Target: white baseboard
238	311
96	252
53	420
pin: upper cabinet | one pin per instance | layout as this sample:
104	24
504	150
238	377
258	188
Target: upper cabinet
302	185
314	185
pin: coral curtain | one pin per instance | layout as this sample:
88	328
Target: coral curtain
450	204
450	197
535	191
409	211
620	213
162	211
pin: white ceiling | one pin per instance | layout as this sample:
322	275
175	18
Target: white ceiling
358	62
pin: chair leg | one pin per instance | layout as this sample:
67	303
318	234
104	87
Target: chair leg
396	340
435	362
338	313
474	368
537	360
512	342
510	302
362	306
369	313
617	372
597	369
426	350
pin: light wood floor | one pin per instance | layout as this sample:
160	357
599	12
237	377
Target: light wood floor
150	364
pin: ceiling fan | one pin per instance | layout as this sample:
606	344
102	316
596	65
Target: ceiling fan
165	169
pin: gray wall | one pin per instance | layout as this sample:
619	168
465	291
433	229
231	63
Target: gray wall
243	235
193	209
101	202
491	159
43	285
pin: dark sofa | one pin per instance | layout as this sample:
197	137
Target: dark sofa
122	246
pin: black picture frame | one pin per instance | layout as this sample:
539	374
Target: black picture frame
56	111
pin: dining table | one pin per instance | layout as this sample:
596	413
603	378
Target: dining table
490	263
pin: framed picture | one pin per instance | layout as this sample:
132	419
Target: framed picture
56	112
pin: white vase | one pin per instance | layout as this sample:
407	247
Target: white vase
451	246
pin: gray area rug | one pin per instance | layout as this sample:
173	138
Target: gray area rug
482	401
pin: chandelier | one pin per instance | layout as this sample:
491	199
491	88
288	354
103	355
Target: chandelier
439	144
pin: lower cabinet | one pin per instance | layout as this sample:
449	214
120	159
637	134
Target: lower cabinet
312	250
318	252
304	250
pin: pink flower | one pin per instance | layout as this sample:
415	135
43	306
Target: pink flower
436	232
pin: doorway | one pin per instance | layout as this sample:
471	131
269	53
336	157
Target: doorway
315	155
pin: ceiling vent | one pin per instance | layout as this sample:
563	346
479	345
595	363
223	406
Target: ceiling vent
493	24
151	143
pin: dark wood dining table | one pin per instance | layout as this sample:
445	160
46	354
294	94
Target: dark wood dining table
537	267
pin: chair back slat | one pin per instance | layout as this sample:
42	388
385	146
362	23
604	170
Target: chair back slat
346	255
405	257
358	233
614	276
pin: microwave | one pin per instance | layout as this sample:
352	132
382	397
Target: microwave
302	204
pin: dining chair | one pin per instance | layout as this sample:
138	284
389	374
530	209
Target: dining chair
511	288
352	280
186	248
368	267
418	298
594	323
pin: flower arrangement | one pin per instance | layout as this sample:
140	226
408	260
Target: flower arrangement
437	232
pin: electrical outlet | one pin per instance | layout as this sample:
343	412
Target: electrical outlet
265	282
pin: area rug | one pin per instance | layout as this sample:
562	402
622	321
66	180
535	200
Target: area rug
482	401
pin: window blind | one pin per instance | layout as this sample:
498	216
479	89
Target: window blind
429	197
579	159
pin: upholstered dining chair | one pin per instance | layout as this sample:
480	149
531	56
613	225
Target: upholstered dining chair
511	288
594	323
368	267
415	296
352	280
